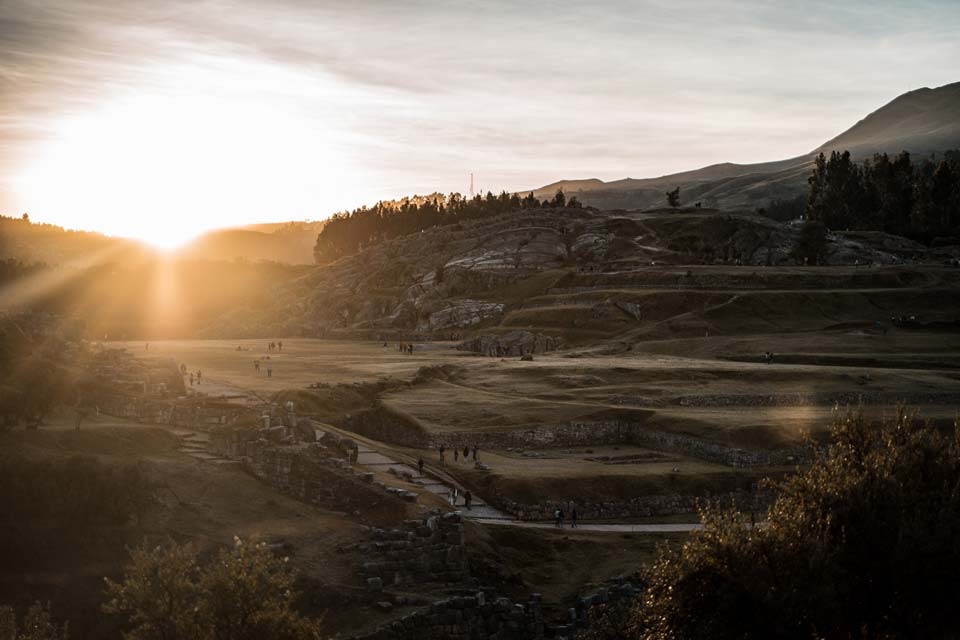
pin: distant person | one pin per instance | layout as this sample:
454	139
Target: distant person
573	518
256	366
467	500
420	466
456	455
199	376
560	518
191	379
476	454
557	518
269	372
442	451
280	346
466	453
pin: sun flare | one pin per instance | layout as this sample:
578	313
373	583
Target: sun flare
165	168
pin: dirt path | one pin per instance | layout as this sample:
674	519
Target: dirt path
598	527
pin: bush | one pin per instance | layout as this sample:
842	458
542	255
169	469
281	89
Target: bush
245	593
37	624
862	544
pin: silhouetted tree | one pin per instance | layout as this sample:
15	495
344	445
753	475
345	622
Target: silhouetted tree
673	198
811	242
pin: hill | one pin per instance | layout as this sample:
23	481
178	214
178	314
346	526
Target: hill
922	122
587	277
287	242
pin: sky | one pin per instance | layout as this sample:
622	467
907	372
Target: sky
159	120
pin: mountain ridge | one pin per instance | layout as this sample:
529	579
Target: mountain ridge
921	121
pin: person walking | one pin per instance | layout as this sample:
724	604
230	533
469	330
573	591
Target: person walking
456	454
476	454
442	450
420	466
573	518
557	518
560	519
467	500
466	454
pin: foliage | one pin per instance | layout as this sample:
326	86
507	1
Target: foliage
862	544
673	198
811	242
918	200
244	593
348	233
37	624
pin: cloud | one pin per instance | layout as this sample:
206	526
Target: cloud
414	95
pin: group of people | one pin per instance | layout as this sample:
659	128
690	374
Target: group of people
404	347
442	450
194	377
767	357
257	367
558	516
278	346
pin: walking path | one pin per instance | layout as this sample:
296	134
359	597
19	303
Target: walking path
593	526
194	444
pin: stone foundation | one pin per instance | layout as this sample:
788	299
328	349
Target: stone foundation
418	551
474	617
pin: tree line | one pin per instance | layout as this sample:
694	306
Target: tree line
918	200
347	233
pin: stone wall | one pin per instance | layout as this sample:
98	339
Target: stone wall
639	507
305	473
197	414
418	551
514	343
572	434
475	617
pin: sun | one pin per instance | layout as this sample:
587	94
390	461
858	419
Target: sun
165	168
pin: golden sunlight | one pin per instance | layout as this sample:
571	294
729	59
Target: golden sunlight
164	169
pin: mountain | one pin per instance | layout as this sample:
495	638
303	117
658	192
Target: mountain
922	122
287	242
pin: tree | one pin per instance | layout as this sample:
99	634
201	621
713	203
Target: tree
37	624
673	198
811	242
245	593
559	200
861	544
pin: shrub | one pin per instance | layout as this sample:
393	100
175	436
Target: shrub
862	544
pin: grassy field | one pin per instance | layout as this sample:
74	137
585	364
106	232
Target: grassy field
714	389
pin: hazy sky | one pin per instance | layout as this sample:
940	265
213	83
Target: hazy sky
160	119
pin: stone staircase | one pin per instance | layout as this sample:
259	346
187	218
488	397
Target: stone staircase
194	444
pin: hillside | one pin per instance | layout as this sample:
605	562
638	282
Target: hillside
586	277
923	121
